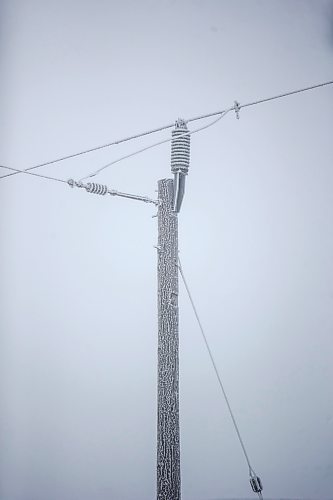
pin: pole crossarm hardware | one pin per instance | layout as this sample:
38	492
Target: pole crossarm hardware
102	189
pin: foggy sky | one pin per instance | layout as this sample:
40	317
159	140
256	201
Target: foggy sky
78	271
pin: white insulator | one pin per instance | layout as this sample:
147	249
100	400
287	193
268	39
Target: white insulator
180	148
93	187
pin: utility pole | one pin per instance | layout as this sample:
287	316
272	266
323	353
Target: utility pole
168	448
170	195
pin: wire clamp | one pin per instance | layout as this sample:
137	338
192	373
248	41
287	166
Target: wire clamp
255	483
237	109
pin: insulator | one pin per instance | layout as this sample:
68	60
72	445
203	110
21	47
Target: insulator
180	148
93	187
256	484
180	161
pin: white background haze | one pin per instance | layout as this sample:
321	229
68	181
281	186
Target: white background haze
78	271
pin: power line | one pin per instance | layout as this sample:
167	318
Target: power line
164	127
286	94
16	170
253	475
103	146
191	132
265	99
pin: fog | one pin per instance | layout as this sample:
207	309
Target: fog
78	271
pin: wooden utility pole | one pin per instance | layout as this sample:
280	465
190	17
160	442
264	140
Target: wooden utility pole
168	446
170	197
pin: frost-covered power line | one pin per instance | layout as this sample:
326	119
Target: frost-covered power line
237	106
118	160
188	133
18	171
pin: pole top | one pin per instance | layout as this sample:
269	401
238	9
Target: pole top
181	123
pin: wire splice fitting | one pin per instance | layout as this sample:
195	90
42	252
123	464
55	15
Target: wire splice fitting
255	483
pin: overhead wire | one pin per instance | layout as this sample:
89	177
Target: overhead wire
32	173
251	470
15	170
286	94
265	99
190	132
91	150
165	127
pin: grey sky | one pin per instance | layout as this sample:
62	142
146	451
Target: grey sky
78	272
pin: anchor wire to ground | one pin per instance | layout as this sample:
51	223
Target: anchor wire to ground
253	476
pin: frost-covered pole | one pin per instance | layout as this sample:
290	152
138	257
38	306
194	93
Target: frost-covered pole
170	196
168	450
